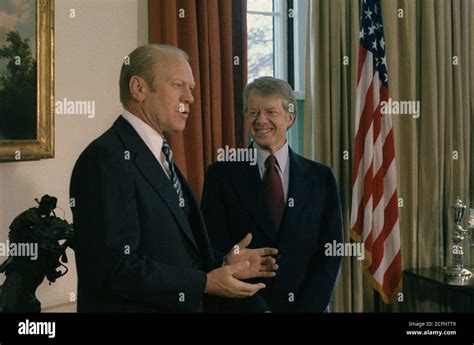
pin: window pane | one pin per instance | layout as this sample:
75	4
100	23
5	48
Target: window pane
260	5
260	49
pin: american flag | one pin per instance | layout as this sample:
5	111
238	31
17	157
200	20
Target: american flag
374	216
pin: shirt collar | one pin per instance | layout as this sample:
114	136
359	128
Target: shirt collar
281	156
151	137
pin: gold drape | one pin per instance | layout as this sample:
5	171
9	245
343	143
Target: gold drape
429	48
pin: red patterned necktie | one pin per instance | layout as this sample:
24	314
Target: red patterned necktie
273	190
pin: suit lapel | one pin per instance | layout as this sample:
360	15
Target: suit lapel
200	233
298	192
153	172
249	187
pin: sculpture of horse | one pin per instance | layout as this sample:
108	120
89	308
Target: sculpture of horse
38	228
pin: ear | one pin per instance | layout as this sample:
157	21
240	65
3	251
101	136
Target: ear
291	120
138	88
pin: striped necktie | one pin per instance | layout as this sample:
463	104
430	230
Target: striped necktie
173	176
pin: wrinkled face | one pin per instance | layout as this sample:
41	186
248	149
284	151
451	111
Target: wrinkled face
168	105
268	120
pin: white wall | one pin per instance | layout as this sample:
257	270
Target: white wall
89	51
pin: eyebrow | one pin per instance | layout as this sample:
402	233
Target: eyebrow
174	80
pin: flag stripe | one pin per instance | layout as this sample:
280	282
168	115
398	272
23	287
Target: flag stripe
379	243
393	276
363	130
362	60
363	87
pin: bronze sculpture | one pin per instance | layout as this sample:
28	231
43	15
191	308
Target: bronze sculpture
34	228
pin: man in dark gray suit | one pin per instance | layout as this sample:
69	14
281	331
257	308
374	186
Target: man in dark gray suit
285	201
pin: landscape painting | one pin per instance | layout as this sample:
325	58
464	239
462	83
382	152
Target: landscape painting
26	80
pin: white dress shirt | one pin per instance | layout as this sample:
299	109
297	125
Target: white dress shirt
283	166
152	138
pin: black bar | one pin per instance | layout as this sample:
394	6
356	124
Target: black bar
331	328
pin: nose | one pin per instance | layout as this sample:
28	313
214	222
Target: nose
261	117
187	96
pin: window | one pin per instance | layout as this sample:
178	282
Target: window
267	38
277	40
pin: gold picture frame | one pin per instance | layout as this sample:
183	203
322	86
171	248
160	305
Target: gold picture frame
43	145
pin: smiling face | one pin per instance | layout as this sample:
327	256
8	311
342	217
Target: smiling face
268	120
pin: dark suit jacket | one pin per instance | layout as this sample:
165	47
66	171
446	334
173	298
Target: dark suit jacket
234	204
136	250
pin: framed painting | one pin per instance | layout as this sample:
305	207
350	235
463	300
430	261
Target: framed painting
26	80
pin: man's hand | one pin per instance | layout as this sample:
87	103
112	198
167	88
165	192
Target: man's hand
221	282
261	263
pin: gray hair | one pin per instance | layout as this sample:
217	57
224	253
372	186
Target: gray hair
269	86
141	62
